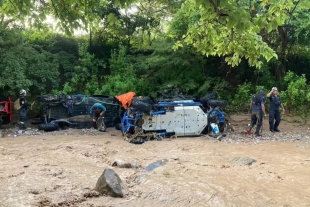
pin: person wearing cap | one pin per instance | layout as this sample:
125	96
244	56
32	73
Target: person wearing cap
23	109
274	110
96	112
68	104
257	106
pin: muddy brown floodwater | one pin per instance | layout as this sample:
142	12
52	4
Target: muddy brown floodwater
61	170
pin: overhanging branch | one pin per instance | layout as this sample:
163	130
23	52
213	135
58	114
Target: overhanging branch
216	9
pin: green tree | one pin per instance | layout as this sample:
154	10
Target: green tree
232	28
85	73
24	65
122	77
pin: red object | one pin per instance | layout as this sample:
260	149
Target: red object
125	99
248	131
6	110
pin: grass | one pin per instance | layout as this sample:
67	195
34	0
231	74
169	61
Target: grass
167	174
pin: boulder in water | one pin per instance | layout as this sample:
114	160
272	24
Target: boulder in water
155	165
109	183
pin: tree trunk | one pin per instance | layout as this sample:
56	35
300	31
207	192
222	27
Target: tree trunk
281	69
149	36
90	38
99	79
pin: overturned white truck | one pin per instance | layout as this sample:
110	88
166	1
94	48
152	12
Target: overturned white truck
145	120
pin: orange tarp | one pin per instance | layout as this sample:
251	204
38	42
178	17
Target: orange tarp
125	99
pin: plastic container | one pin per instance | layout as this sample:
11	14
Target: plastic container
215	128
249	127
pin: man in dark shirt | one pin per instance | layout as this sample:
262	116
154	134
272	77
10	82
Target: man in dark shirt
97	111
23	109
274	110
257	106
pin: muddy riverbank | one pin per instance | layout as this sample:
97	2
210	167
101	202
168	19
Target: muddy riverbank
61	169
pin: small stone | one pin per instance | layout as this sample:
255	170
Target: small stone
122	164
141	178
35	192
109	183
242	160
272	201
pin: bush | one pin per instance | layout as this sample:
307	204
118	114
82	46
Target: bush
241	100
297	95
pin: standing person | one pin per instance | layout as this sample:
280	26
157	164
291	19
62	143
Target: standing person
96	112
257	106
274	110
23	109
68	104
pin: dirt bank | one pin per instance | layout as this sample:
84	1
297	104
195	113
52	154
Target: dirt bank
61	169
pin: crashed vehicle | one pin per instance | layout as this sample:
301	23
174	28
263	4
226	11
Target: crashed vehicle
6	111
74	111
179	116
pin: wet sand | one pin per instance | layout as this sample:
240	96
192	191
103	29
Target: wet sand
62	170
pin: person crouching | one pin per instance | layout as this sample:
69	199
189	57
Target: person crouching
97	111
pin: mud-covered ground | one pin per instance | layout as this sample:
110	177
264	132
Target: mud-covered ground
61	168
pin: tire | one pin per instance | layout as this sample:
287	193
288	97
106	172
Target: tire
36	122
48	127
209	96
215	103
141	106
118	126
47	98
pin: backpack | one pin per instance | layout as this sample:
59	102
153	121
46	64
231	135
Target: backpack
257	99
17	105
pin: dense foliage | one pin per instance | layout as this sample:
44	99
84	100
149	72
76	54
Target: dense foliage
233	47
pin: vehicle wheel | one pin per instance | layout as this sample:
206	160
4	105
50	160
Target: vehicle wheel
141	106
215	103
118	126
209	96
48	127
36	122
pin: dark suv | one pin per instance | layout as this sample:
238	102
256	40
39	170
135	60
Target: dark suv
76	109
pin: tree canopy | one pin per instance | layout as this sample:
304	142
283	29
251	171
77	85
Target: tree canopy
228	46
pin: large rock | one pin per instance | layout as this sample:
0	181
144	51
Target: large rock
109	183
242	160
155	165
